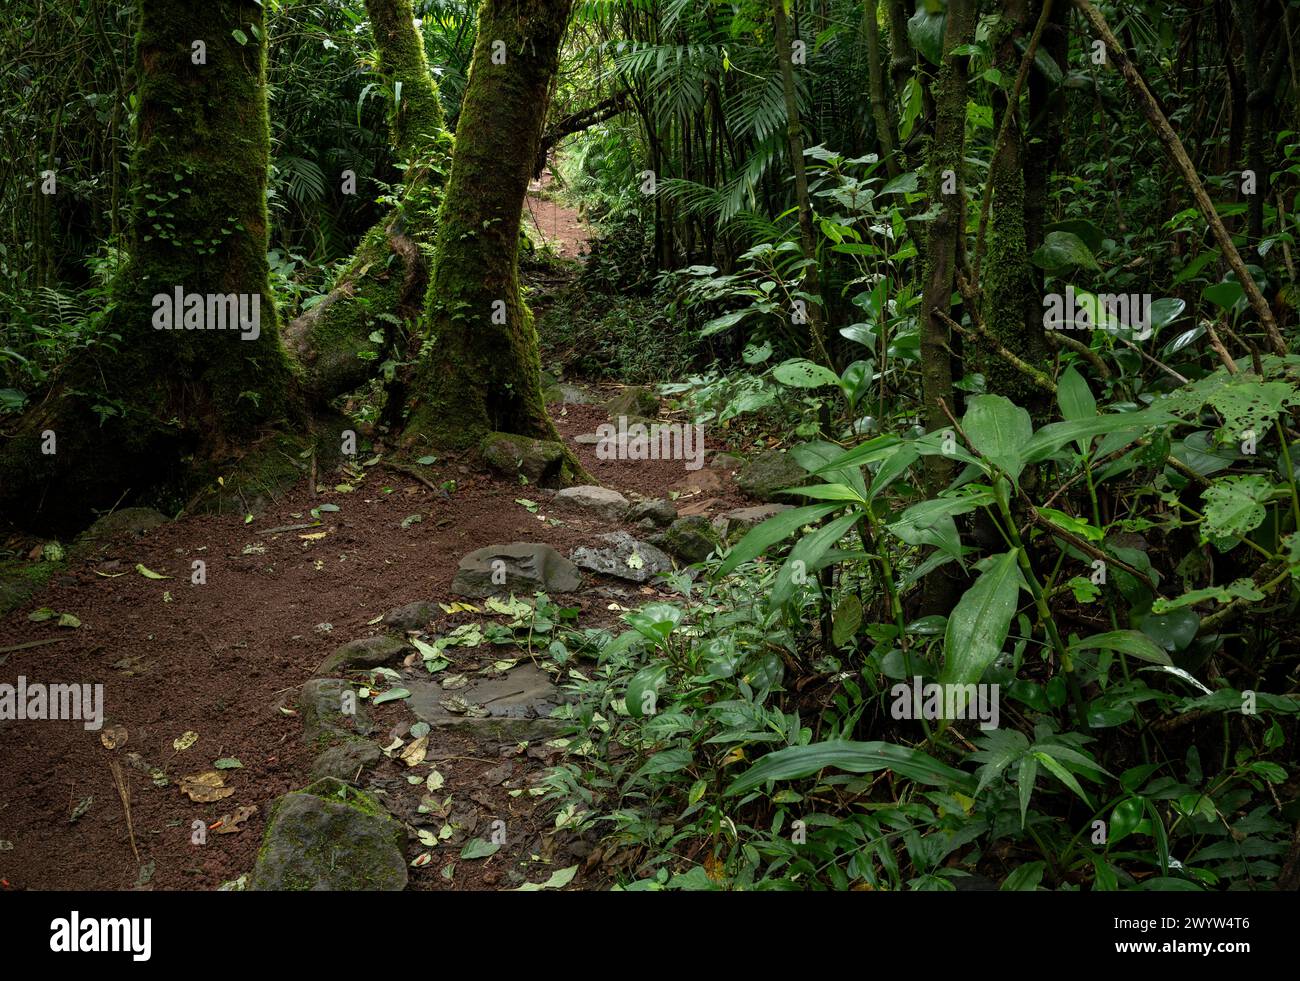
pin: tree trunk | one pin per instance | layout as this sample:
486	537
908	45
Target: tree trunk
482	373
158	409
794	137
946	155
1011	310
385	282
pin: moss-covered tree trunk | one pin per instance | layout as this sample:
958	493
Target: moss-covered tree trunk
945	164
170	393
482	371
1012	309
385	281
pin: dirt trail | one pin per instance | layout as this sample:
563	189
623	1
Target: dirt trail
224	659
558	225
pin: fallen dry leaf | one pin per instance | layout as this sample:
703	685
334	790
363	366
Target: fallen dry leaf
185	740
232	824
414	754
113	737
206	787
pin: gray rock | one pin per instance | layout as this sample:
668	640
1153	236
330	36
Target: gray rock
609	504
691	538
726	461
330	837
660	514
624	558
321	704
513	707
367	652
733	525
527	568
633	401
768	473
541	461
96	540
575	395
412	616
345	761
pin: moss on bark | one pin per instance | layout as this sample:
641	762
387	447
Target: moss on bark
385	281
482	372
144	408
1011	307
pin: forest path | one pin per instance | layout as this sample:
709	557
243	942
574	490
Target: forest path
558	224
200	673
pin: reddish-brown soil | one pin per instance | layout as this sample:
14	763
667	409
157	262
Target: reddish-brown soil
221	659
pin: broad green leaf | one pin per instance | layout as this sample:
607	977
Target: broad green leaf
1076	400
806	552
826	492
1025	878
1064	252
1062	774
1234	506
796	762
999	431
771	531
1240	589
648	680
979	624
1132	642
1051	438
802	373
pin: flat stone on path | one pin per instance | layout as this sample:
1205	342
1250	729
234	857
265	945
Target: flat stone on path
609	504
516	706
521	567
330	837
624	557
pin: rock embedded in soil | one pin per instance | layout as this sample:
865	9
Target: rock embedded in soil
346	760
96	540
726	461
512	708
330	837
412	616
20	581
691	538
633	401
540	460
653	514
366	652
322	703
521	567
733	525
608	504
624	557
769	472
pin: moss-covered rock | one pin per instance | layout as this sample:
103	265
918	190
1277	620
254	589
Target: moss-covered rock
346	761
542	461
365	652
769	472
690	539
633	402
330	837
123	523
331	712
20	581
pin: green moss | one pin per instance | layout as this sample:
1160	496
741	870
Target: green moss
136	416
20	581
482	373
